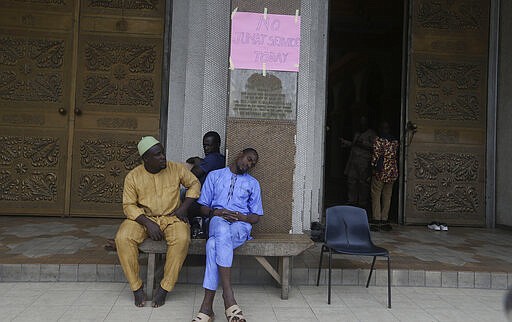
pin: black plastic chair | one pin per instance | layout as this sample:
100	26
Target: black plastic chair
347	232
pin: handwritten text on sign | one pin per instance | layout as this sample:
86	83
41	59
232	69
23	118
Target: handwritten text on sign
274	41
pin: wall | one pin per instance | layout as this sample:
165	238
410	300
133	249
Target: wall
504	116
198	92
198	75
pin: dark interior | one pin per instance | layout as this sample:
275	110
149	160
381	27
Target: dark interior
364	79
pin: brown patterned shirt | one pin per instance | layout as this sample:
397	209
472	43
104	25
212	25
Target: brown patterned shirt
385	159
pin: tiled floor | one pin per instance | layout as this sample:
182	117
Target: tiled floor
113	302
71	249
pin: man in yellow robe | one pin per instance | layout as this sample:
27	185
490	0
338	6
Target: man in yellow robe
151	203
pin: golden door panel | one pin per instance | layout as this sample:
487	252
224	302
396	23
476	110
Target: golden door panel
451	20
118	98
448	90
118	95
36	20
34	98
447	101
32	170
127	25
447	183
137	8
119	74
64	6
101	160
33	71
117	78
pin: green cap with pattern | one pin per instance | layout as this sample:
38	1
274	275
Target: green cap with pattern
146	143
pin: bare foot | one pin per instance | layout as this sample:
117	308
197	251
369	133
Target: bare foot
160	296
140	297
111	245
229	300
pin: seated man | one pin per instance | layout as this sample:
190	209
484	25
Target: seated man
151	203
213	159
232	198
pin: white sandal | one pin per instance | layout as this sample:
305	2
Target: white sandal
235	312
201	317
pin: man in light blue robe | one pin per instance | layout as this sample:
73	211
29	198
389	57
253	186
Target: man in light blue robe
232	199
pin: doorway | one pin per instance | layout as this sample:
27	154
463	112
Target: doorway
364	80
80	83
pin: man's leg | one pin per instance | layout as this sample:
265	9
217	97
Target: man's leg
365	176
351	189
211	278
376	198
128	237
177	235
219	234
387	191
239	233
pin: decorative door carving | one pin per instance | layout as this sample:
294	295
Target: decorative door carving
74	101
447	91
34	102
117	100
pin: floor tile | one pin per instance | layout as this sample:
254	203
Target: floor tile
170	313
294	314
416	315
42	313
8	313
99	298
58	298
371	314
96	302
123	314
86	313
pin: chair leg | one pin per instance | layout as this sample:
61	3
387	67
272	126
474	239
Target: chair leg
320	266
389	285
329	283
371	271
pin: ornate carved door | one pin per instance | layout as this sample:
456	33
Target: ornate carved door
117	98
75	98
447	103
35	96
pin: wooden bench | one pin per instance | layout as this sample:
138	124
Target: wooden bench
283	246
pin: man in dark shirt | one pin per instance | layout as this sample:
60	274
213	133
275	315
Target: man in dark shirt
213	159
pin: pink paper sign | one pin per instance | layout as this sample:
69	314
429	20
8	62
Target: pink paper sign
274	41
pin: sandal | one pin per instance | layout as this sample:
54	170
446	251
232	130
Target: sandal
234	314
201	317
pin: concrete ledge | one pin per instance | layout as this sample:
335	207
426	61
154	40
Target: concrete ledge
300	276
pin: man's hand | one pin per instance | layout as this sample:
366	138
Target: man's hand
181	214
233	216
194	160
154	231
229	215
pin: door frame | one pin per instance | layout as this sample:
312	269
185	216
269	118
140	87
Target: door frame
166	71
406	39
492	107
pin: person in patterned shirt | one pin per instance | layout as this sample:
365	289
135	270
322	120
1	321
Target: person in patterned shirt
385	172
